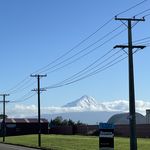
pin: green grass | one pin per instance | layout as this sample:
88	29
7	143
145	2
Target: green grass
76	142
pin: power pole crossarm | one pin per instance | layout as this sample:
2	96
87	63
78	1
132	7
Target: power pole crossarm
126	46
41	89
130	19
37	75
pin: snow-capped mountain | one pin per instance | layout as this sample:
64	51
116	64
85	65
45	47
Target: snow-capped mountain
83	102
86	109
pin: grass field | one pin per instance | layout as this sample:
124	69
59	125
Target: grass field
66	142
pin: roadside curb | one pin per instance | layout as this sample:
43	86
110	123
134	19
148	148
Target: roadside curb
27	146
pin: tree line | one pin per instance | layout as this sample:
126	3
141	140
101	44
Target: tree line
59	121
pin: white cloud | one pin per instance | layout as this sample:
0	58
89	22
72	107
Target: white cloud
141	106
117	105
22	110
123	105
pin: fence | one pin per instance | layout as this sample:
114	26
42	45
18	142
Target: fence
143	130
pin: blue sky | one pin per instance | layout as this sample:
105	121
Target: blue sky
35	32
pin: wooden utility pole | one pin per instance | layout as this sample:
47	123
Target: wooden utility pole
132	117
39	109
4	115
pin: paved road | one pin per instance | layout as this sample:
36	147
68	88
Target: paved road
12	147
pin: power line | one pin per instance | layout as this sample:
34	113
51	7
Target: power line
141	13
23	100
144	42
89	65
112	63
18	84
86	75
147	45
103	68
22	97
80	57
109	33
108	65
23	87
78	54
62	56
134	6
88	69
141	39
147	15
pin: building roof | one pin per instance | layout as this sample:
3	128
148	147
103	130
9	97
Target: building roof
23	120
124	119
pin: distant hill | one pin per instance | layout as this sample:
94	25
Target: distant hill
85	117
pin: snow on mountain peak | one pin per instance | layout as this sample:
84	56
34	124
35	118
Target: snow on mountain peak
83	102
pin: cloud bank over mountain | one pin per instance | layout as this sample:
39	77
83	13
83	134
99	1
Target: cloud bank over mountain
83	104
